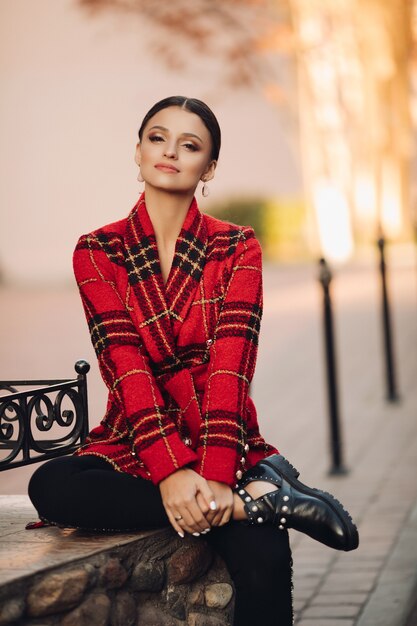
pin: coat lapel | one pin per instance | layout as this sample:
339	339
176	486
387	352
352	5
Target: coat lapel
161	309
187	266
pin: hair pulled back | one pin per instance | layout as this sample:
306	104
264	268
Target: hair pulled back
193	105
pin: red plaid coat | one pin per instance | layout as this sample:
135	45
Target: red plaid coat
177	358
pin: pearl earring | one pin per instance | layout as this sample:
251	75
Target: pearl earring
140	178
205	190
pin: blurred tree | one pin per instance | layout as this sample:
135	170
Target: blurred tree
353	92
354	68
232	31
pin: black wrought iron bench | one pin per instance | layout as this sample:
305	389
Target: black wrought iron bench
46	419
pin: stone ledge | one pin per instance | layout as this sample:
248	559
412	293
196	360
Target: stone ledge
51	576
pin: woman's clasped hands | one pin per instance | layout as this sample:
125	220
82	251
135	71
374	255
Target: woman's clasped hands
194	504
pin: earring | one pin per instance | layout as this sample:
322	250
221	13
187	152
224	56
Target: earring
140	178
205	191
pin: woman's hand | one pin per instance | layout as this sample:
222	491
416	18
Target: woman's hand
188	496
223	495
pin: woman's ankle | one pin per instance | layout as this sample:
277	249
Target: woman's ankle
239	514
256	489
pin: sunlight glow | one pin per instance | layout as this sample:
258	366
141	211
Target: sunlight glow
365	198
391	216
333	221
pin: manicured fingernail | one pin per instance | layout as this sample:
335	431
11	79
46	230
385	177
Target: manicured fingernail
213	505
196	534
181	535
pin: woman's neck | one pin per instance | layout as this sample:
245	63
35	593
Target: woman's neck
167	212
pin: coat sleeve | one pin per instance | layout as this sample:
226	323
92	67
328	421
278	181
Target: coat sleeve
233	354
123	366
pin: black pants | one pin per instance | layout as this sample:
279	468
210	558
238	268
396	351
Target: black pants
86	492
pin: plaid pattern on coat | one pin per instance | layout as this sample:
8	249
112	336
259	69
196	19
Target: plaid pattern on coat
177	359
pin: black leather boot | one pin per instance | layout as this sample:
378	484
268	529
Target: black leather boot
294	505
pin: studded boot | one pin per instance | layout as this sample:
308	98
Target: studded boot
295	505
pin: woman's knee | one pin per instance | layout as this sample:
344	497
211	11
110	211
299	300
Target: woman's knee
48	486
45	480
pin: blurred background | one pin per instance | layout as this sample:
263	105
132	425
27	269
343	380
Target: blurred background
317	104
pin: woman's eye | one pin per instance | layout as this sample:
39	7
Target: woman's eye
190	146
155	138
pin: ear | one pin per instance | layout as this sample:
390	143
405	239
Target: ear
138	154
208	173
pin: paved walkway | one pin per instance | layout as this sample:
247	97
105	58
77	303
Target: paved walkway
374	585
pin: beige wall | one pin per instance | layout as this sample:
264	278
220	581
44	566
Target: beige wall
73	92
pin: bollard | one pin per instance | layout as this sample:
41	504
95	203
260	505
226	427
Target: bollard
392	395
337	466
82	368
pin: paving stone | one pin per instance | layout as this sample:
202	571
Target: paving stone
339	611
94	611
148	576
56	592
307	582
189	562
11	610
358	566
304	594
327	622
196	595
341	598
175	600
123	610
200	619
152	615
298	605
112	574
348	584
218	595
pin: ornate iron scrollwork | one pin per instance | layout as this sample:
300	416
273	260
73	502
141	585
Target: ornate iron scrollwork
43	422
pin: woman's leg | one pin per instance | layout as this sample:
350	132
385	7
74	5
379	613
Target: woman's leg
86	492
260	564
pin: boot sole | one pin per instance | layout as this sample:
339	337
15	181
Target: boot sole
287	471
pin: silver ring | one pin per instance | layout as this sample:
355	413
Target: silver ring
177	519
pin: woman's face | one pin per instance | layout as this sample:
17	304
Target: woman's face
174	153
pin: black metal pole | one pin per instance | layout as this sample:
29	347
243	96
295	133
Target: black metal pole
392	395
337	466
82	368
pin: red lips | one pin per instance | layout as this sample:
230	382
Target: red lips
166	167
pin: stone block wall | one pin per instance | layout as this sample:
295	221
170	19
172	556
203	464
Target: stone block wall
155	580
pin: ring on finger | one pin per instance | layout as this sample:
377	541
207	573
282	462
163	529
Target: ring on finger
177	518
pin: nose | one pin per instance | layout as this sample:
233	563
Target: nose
170	151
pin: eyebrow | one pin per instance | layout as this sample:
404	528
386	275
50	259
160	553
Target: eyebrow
182	134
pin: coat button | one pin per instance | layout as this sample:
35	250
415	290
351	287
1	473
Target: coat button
187	441
247	447
239	474
209	342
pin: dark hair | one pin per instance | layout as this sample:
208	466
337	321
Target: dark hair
193	106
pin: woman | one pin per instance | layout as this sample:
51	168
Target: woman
173	300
